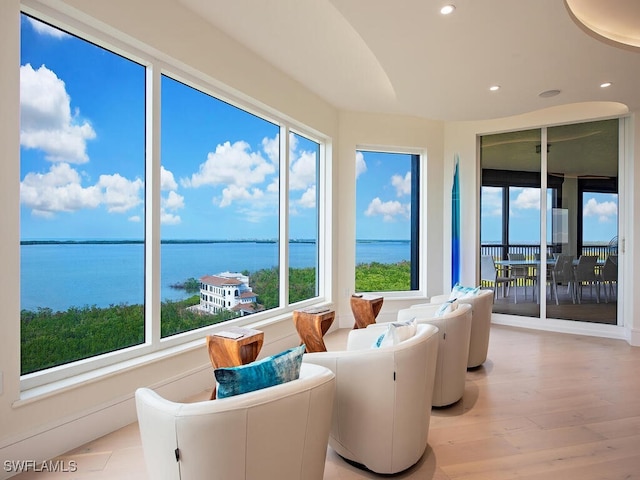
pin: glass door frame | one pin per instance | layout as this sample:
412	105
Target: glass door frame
624	127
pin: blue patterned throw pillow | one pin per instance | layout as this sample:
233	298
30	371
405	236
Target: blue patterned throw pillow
279	368
458	292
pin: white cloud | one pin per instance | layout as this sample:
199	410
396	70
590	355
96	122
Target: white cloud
271	147
120	194
388	210
528	198
135	218
303	171
167	182
492	201
61	190
173	201
361	165
308	198
44	29
605	211
402	185
46	122
234	166
235	192
167	218
274	186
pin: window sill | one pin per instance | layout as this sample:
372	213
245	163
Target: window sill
50	389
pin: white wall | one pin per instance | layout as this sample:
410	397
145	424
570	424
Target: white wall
388	131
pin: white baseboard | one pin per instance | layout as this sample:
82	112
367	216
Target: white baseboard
561	326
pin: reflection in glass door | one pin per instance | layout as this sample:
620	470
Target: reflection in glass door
510	231
582	163
574	272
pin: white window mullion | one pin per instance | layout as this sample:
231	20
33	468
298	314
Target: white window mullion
284	216
542	273
152	210
323	272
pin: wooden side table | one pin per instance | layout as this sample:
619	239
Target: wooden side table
312	324
233	346
365	309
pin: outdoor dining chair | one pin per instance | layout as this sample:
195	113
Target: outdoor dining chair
562	274
521	273
609	276
585	272
489	273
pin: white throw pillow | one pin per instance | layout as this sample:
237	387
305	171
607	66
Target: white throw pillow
446	307
396	332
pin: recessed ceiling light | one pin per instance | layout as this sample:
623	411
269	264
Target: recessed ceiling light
447	9
549	93
494	88
605	84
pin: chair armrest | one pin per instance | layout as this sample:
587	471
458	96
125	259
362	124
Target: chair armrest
438	298
364	338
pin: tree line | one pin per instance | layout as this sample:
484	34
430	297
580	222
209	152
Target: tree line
50	338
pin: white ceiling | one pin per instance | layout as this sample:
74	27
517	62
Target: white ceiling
405	57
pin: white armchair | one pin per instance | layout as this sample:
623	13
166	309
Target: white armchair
455	333
383	396
273	433
481	308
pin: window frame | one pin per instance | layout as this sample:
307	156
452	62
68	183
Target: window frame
154	347
418	271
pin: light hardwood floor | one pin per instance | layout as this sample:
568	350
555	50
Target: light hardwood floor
545	406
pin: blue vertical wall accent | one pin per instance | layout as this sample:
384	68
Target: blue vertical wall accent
455	226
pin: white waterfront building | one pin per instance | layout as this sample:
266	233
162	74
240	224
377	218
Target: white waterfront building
227	291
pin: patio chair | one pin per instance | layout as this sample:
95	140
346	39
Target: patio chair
609	276
562	273
585	272
489	273
521	273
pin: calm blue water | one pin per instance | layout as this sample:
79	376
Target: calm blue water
59	276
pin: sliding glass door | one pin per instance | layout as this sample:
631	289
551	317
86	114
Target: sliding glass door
511	176
562	181
582	162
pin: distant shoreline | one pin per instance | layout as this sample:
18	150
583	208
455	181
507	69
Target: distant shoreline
141	242
170	242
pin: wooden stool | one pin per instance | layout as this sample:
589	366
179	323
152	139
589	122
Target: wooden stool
365	309
312	324
232	347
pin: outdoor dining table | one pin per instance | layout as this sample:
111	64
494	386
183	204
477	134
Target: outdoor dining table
507	264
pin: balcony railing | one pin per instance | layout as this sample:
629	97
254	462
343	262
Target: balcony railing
501	251
531	252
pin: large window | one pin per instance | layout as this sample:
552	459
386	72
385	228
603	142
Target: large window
82	168
387	212
304	170
220	193
123	247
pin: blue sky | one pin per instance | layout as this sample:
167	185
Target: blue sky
83	172
383	196
83	148
600	215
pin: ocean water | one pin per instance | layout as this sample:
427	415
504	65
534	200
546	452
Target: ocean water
59	276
